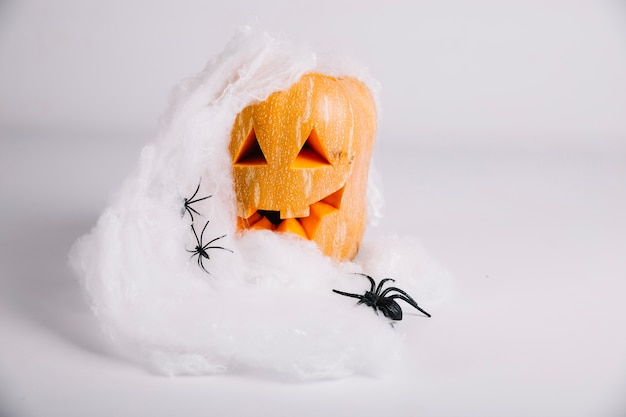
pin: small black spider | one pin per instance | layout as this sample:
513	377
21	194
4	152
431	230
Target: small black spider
201	250
380	301
189	201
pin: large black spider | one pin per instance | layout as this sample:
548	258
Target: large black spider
380	301
201	249
189	201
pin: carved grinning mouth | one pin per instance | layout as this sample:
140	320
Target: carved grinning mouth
305	227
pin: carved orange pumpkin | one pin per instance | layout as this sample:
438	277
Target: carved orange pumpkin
301	159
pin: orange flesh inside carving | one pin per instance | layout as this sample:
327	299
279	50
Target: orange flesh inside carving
305	227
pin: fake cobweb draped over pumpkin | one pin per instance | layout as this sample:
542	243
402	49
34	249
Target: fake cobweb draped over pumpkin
267	306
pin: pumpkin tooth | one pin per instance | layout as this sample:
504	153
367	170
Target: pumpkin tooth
335	198
299	213
264	223
293	226
251	220
312	223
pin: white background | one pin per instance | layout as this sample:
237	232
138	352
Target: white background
510	70
501	146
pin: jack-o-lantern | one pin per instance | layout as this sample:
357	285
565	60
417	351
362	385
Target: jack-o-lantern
301	159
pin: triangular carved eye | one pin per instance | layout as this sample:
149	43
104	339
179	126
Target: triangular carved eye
250	152
312	154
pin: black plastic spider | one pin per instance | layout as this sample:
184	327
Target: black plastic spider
380	301
201	249
189	201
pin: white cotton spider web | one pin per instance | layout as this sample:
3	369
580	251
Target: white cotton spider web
268	306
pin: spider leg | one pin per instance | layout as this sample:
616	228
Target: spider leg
200	199
202	234
347	294
202	265
195	192
380	284
195	234
187	209
389	289
188	201
371	280
217	247
409	300
217	238
190	209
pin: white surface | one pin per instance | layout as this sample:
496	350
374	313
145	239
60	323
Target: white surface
534	239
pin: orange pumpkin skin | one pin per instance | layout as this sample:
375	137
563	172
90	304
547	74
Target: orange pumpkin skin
301	160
